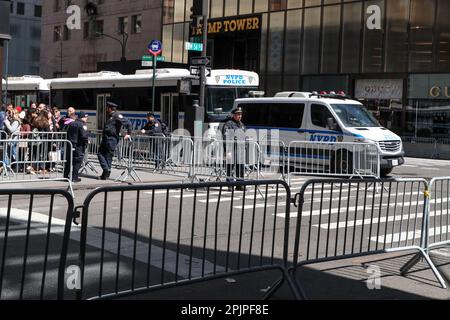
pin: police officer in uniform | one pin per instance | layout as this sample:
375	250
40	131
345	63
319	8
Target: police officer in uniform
158	147
111	134
78	135
234	131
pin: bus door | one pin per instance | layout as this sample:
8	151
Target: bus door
101	110
169	110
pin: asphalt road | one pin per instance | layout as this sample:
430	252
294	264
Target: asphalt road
200	232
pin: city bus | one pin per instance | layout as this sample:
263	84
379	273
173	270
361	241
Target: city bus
133	93
25	90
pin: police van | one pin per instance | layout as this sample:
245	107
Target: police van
304	116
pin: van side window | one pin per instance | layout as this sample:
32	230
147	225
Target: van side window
319	115
256	114
287	115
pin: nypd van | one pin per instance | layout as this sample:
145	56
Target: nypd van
302	116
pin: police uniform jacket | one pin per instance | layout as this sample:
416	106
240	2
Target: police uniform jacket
77	134
114	125
233	128
157	128
234	141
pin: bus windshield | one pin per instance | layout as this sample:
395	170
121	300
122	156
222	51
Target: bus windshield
223	98
353	116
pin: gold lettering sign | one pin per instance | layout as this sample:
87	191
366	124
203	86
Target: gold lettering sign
447	92
435	92
229	25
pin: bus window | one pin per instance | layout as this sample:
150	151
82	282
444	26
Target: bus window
220	98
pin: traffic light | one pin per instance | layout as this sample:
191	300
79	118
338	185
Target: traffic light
197	9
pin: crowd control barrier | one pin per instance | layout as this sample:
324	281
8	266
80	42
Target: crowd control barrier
180	234
34	234
333	159
346	219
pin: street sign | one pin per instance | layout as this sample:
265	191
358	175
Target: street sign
155	47
150	58
201	61
146	63
193	46
195	71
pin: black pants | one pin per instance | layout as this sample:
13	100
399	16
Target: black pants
106	152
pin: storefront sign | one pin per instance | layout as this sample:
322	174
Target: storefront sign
230	25
380	89
429	86
439	92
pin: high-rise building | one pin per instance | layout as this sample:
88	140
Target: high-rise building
392	54
108	30
25	28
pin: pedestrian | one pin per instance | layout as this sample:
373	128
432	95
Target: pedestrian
70	117
78	135
12	127
111	134
158	146
56	114
39	148
233	132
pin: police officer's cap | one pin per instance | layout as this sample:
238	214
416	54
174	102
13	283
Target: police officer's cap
237	110
150	114
111	105
82	114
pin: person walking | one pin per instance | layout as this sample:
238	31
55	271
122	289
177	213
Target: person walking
110	138
233	132
78	135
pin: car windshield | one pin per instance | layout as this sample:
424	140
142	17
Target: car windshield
223	97
353	116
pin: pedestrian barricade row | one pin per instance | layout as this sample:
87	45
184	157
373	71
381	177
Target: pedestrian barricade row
144	238
333	159
34	160
209	159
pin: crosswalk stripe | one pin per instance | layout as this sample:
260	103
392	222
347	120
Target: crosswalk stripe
409	235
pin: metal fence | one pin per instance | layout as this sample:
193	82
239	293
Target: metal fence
180	234
335	159
434	148
34	160
34	235
339	219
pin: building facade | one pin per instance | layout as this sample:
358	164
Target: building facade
109	30
25	29
394	55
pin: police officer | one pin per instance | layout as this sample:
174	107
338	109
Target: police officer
111	134
234	131
158	146
78	135
154	127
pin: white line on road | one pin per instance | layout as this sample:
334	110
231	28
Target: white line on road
94	239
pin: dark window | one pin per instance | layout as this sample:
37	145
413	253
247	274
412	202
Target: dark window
274	115
20	8
57	34
136	24
319	115
98	28
38	11
12	7
66	33
57	5
122	25
86	30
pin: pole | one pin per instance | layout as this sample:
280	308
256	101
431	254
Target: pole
153	83
417	111
6	70
1	70
199	122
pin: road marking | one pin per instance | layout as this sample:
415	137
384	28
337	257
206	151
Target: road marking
39	224
396	237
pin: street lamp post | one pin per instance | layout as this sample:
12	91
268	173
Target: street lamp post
123	43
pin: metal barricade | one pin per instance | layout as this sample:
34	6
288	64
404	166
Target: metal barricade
420	147
34	160
149	237
231	160
171	155
34	237
339	219
273	160
333	159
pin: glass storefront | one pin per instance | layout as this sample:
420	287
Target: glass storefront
303	42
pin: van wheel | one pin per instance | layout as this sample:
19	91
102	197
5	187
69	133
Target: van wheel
343	163
385	172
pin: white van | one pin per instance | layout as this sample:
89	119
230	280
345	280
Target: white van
322	118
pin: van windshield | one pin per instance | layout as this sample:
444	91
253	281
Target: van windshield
353	116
